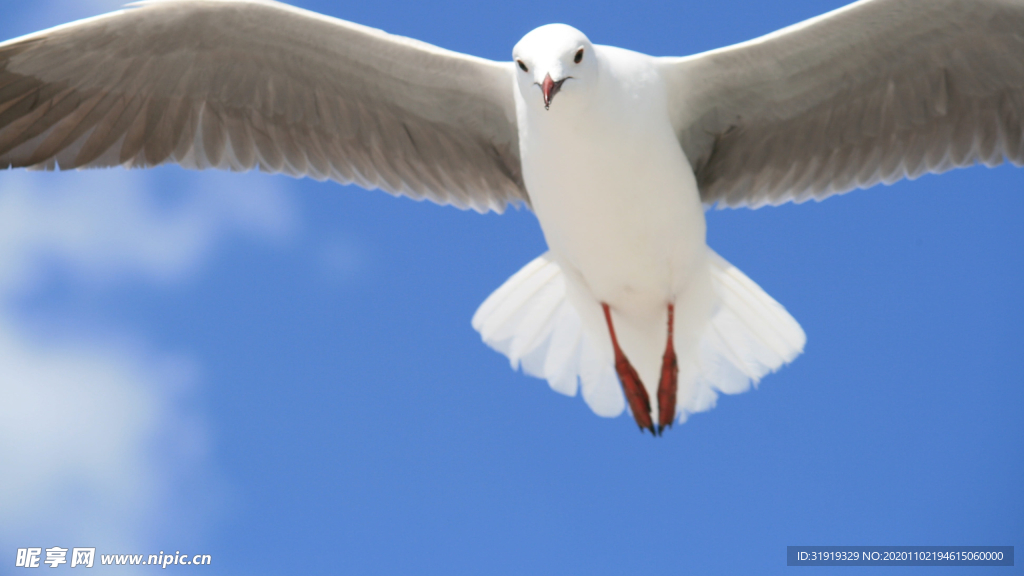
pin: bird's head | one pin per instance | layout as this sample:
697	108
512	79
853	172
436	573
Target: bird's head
551	60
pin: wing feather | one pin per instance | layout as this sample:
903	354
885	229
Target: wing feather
873	92
243	84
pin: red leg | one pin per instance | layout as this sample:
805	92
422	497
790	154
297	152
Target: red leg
669	380
636	395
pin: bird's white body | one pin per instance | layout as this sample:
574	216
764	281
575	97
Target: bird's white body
617	152
619	207
618	202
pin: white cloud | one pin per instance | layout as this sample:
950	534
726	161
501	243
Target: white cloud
99	442
89	421
98	225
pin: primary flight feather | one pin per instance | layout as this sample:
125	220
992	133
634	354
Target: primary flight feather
618	153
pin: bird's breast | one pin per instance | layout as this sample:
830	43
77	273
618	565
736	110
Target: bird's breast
617	201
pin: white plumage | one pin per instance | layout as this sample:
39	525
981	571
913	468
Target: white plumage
530	320
618	153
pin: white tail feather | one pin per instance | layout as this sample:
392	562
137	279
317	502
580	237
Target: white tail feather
749	336
530	320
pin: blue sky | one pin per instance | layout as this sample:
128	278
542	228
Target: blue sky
281	373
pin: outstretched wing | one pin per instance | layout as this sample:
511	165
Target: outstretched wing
241	84
874	92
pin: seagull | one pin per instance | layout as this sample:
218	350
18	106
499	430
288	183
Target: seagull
617	153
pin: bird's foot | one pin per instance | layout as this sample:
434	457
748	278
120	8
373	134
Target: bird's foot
669	381
636	394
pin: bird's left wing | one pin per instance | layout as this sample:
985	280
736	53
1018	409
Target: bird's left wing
873	92
242	84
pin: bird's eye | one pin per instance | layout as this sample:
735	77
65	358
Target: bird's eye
522	66
579	56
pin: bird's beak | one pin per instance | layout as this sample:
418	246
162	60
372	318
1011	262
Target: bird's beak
550	88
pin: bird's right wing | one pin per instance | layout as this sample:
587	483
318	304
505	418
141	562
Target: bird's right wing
241	84
873	92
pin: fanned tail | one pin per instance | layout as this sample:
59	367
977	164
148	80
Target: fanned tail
530	320
750	335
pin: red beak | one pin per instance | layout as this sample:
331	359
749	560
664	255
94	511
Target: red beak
550	88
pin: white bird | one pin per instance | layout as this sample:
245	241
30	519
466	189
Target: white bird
618	153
